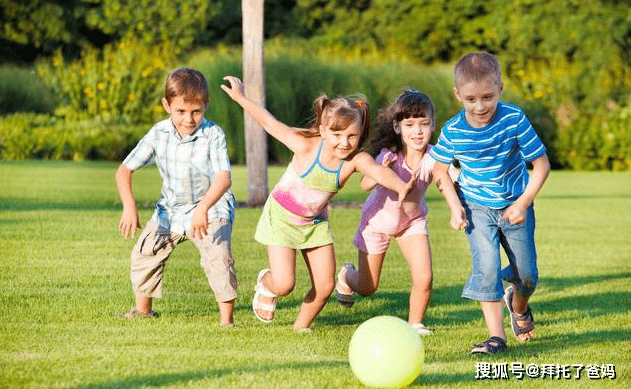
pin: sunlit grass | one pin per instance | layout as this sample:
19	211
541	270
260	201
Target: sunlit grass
64	273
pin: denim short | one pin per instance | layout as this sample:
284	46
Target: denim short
486	233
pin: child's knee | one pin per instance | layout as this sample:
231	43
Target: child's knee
527	286
283	288
423	282
366	289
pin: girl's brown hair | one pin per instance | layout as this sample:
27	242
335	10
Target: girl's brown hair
339	113
410	103
188	83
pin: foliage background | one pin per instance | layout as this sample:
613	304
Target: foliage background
566	62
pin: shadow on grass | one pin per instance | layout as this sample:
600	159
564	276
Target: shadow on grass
178	378
462	311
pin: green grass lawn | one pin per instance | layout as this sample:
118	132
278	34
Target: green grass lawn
64	274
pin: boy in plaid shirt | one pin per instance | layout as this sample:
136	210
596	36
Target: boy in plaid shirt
196	203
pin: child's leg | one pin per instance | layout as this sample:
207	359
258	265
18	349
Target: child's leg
494	317
226	309
148	257
143	304
519	244
218	264
320	262
281	278
365	280
416	250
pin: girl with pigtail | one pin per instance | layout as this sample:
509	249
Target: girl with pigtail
402	143
295	215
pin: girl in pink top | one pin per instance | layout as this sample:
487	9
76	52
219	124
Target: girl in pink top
295	215
405	128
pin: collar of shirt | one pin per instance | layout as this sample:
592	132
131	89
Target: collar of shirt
199	131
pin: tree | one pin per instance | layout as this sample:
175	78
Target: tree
254	80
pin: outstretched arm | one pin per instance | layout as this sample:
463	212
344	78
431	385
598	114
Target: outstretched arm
516	212
368	183
129	221
289	136
446	186
384	176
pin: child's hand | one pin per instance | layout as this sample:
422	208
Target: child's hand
427	165
199	224
515	214
386	161
235	90
129	222
459	219
407	188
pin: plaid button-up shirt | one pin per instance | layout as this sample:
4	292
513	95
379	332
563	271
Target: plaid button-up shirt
188	167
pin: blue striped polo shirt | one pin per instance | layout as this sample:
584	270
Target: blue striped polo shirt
188	167
492	158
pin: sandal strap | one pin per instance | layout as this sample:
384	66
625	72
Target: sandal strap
263	306
488	346
263	291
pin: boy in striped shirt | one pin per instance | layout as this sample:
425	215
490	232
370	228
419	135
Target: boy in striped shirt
493	141
196	202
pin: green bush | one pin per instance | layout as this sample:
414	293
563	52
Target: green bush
294	82
602	141
36	136
21	90
122	82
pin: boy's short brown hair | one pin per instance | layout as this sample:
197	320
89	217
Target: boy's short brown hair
477	66
188	83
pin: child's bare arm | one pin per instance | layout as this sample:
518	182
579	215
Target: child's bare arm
368	183
446	186
516	212
219	186
289	136
384	176
129	221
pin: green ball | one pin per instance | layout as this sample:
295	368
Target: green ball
386	352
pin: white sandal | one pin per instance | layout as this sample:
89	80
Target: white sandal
344	298
263	291
421	329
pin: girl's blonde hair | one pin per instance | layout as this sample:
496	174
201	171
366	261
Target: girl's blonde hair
188	83
410	103
339	113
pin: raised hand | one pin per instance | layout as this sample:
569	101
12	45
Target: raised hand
386	161
235	90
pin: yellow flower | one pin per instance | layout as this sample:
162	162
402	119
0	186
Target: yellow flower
144	73
538	94
101	85
132	97
103	104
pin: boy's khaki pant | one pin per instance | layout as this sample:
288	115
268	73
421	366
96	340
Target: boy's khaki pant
154	247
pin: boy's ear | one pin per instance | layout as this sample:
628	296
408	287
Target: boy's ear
166	105
457	94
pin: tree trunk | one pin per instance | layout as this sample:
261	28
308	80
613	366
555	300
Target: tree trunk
254	82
